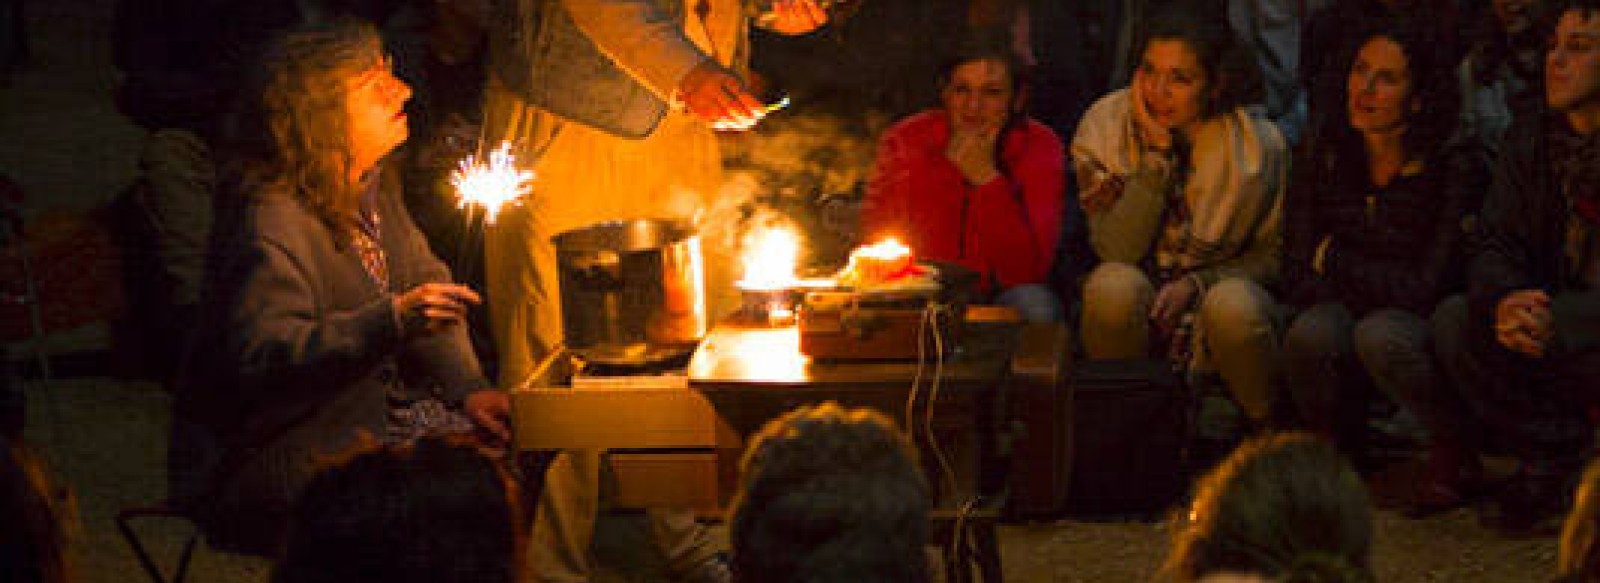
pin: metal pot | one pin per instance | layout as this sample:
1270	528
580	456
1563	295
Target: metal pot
632	292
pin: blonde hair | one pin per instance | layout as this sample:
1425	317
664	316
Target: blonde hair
292	126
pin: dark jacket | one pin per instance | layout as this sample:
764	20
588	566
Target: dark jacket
1524	225
297	354
1396	246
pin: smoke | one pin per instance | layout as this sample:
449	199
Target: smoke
803	171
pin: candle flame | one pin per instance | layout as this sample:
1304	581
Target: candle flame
770	259
889	248
491	183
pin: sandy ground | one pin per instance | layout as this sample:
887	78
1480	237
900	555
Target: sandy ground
106	438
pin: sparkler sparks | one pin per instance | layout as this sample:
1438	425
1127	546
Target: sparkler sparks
491	183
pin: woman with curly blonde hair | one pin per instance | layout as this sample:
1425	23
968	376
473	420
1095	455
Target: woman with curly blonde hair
324	316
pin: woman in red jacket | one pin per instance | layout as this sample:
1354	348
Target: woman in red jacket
977	183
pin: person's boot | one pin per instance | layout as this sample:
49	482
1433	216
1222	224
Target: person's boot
1531	503
1451	478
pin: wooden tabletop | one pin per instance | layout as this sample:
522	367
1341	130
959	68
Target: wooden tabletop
742	357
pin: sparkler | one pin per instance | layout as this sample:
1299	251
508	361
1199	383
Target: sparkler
491	183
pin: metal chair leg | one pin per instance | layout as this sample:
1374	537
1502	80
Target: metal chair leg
124	520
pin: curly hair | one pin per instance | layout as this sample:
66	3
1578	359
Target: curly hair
829	494
1233	78
288	128
436	511
1434	87
1284	506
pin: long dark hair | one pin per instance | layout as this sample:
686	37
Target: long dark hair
1233	78
1430	126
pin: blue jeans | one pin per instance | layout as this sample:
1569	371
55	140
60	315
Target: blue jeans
1035	301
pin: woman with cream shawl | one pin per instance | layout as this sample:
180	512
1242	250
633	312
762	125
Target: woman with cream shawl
1183	188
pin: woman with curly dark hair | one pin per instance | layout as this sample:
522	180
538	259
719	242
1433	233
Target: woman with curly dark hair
1375	228
1285	508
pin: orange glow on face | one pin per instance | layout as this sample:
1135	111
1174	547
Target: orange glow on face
771	255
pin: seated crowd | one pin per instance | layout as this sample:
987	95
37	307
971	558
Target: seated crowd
1431	239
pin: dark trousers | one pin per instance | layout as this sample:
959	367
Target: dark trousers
1539	408
1331	357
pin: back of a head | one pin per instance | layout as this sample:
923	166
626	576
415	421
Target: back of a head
33	540
1287	507
437	511
830	495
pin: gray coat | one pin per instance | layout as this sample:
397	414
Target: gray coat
297	354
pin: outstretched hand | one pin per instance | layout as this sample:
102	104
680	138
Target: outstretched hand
718	97
794	17
432	307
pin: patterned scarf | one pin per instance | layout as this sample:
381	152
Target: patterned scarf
368	239
1576	160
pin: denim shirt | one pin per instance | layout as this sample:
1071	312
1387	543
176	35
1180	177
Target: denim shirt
537	51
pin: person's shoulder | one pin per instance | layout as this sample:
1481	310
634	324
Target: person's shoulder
1524	136
1111	104
921	125
1034	127
1266	135
273	214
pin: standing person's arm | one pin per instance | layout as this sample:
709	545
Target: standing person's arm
1272	30
650	45
641	39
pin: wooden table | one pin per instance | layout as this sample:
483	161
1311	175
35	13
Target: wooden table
742	377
